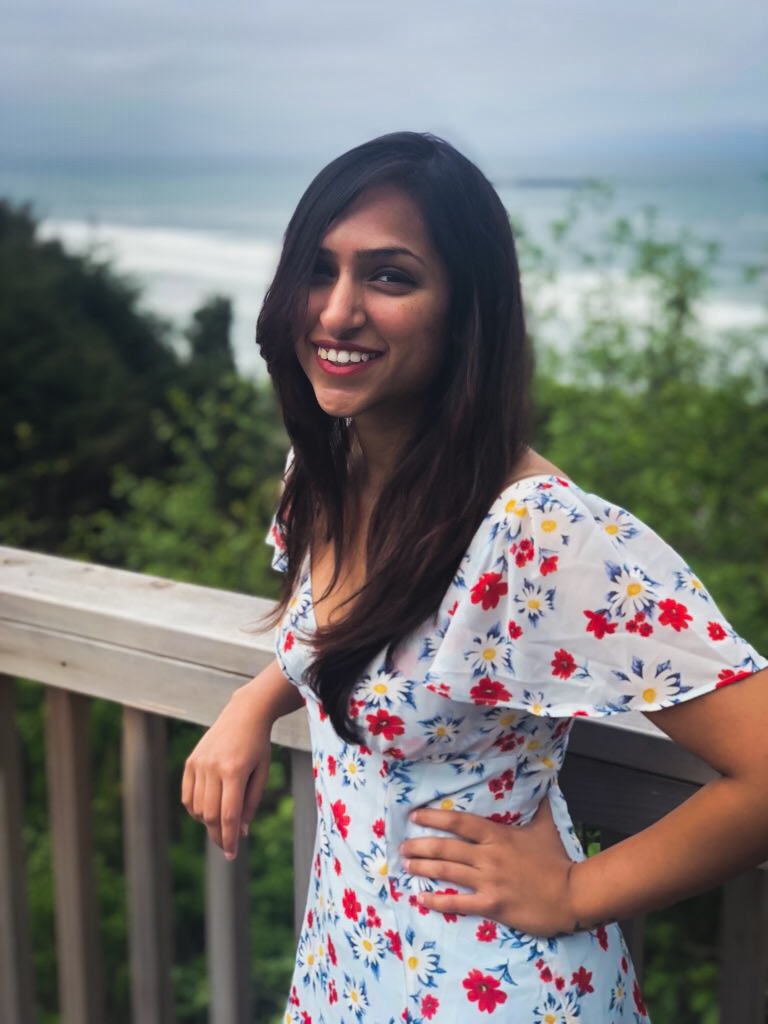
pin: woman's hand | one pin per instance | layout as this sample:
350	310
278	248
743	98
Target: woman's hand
225	775
520	874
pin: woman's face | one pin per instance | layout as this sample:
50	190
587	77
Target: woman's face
377	308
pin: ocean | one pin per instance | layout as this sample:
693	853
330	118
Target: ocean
184	233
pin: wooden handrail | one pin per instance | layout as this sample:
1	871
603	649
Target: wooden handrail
179	650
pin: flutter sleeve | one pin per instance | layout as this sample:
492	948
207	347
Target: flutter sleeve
566	605
276	534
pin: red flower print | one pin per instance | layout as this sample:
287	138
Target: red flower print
305	1017
354	707
337	866
378	828
638	624
716	631
486	931
563	664
442	689
395	943
429	1006
333	995
483	989
310	918
452	609
582	979
508	742
331	951
523	552
514	630
545	974
289	641
351	904
638	997
559	983
331	765
450	917
394	892
503	784
365	751
548	565
599	624
382	723
395	752
341	817
674	614
322	712
728	676
294	998
602	936
489	590
415	903
487	692
372	919
624	965
507	818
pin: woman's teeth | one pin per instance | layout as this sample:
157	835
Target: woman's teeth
342	355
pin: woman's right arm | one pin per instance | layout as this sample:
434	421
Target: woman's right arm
225	775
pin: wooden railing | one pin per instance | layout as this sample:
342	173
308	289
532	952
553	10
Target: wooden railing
173	650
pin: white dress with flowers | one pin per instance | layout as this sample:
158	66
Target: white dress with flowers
564	605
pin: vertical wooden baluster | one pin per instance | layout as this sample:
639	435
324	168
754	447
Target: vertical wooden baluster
145	813
744	949
16	989
304	825
227	936
634	928
80	979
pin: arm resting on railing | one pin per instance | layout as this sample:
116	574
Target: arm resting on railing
225	775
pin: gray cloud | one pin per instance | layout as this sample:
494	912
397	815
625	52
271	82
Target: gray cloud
299	76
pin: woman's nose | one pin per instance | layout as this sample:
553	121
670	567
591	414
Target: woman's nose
343	308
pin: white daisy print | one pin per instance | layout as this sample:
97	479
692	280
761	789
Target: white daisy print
617	523
634	591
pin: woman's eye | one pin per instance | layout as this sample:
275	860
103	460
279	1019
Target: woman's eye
322	271
390	275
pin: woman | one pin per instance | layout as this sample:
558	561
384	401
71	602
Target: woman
452	601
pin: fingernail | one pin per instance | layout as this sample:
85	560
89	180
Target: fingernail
243	830
229	856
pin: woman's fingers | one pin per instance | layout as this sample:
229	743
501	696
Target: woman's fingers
231	813
445	871
212	808
436	848
253	792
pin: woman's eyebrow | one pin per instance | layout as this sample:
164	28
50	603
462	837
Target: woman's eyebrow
379	253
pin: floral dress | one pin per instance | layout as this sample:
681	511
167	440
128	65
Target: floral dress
563	605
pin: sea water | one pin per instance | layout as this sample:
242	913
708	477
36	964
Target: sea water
185	233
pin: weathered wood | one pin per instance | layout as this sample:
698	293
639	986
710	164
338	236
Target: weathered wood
744	949
165	686
145	815
16	991
80	980
304	825
131	610
227	936
633	928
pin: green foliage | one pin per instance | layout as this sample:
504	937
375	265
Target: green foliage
82	368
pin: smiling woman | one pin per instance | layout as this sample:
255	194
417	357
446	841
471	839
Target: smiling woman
452	602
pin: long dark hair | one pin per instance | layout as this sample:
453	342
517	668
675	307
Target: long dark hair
473	431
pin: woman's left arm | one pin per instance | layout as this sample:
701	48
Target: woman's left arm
522	876
721	830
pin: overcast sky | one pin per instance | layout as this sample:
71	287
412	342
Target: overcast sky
168	78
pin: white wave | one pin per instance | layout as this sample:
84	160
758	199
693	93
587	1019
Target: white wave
179	269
